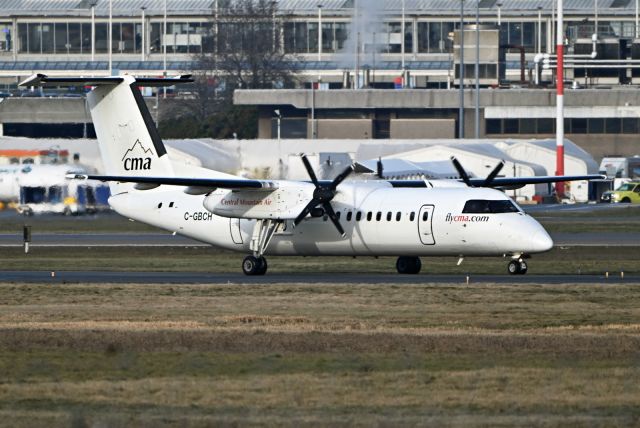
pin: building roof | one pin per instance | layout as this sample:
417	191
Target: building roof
303	7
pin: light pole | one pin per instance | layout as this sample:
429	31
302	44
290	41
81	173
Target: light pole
461	108
142	38
499	4
319	32
637	32
110	37
279	117
164	47
280	165
477	72
93	30
402	47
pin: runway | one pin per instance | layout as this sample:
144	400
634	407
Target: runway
168	240
104	277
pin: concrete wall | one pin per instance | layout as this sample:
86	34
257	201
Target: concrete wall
352	129
423	128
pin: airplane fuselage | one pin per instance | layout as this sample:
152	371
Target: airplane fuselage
378	221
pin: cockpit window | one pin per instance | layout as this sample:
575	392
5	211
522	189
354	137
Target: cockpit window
481	206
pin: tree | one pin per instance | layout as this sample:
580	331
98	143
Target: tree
246	52
250	46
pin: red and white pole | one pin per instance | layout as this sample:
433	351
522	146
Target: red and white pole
560	100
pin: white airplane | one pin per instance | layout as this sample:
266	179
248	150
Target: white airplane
407	219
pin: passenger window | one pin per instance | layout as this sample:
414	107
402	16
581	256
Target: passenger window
170	204
389	216
412	216
160	205
358	216
378	216
398	216
425	216
349	215
369	216
338	214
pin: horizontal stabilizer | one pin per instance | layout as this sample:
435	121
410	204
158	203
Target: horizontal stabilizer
209	183
46	81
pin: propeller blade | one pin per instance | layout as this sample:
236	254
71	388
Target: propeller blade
493	174
379	168
307	209
340	178
461	171
309	169
334	218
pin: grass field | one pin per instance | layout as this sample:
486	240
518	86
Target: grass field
291	355
570	260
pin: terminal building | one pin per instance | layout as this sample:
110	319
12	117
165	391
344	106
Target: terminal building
383	69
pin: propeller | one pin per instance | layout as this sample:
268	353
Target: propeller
379	168
322	195
465	177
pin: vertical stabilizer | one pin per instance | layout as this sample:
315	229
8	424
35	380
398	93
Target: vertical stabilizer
129	142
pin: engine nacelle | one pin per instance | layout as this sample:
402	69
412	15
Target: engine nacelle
280	204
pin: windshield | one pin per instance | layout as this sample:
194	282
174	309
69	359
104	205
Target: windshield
476	206
627	187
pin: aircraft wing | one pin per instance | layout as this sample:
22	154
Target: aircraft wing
517	182
199	183
506	182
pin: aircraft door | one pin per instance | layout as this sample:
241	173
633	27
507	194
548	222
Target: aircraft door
236	233
425	225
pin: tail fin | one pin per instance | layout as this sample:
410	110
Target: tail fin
128	139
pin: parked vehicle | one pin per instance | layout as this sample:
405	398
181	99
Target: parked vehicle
626	193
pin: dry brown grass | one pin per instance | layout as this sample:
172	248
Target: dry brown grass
296	354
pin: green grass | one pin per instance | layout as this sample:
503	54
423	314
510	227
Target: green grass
569	260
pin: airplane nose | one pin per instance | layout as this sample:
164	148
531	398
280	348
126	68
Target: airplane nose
541	242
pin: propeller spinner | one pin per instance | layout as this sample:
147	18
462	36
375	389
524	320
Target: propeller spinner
322	195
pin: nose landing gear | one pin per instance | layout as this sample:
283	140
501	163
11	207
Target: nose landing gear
517	267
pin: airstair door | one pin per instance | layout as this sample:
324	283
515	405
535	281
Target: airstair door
425	222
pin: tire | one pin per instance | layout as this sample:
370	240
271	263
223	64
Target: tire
523	267
625	201
408	265
513	267
254	266
263	266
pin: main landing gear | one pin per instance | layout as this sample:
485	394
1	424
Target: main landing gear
263	231
252	265
517	267
408	265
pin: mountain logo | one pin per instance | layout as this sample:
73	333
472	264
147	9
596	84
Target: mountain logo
137	158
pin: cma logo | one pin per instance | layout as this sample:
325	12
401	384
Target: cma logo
137	158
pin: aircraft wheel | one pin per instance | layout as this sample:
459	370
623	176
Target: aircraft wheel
263	266
254	265
523	267
408	265
514	267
